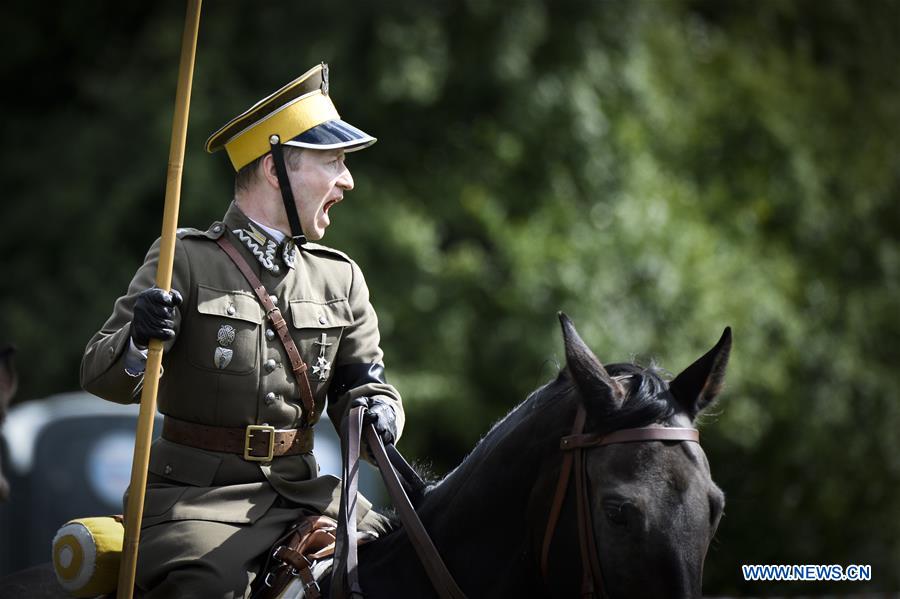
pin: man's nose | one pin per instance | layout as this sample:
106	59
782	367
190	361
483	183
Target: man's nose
345	181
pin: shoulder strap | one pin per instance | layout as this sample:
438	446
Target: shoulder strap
298	366
309	246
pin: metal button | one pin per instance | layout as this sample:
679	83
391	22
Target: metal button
274	299
270	334
217	228
276	269
322	320
270	365
271	397
230	310
167	469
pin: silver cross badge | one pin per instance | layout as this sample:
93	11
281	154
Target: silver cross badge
322	367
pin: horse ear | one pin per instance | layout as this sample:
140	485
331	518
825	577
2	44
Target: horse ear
698	385
589	374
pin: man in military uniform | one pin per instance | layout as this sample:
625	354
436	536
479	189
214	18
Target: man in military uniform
234	467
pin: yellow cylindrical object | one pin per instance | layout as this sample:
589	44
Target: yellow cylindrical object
86	555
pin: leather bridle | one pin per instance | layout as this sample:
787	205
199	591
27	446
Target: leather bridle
574	446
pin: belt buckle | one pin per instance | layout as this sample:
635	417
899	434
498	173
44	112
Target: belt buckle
248	434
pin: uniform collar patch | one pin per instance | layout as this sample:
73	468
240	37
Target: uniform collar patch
288	249
260	246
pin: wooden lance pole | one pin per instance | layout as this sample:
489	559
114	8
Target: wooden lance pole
134	511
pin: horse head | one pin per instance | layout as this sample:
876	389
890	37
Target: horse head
653	505
593	486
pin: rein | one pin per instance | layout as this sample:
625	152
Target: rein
574	446
345	575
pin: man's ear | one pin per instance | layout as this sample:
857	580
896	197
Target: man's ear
267	171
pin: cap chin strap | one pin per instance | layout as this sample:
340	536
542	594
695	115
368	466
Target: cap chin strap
287	195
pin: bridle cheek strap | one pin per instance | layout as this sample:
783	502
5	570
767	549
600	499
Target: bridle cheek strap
559	496
590	574
574	446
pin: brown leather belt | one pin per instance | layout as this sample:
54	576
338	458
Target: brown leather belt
256	442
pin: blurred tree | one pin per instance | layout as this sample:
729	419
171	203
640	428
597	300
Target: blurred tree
658	170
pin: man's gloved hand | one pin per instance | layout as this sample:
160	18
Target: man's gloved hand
154	316
381	415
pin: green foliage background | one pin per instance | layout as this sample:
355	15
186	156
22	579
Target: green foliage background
656	169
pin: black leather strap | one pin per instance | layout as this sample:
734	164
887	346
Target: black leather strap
287	194
412	483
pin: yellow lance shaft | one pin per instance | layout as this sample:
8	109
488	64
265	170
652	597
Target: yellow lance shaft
134	511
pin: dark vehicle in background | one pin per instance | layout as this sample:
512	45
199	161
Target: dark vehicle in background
69	456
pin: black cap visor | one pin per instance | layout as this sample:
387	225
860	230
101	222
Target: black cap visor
332	135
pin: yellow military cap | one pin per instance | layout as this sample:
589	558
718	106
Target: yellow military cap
301	114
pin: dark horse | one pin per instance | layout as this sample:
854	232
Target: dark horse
653	504
655	507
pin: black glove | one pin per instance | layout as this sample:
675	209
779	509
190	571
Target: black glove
154	316
381	415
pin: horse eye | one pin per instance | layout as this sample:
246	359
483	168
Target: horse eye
615	513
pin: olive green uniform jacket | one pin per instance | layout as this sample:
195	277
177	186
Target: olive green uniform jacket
320	291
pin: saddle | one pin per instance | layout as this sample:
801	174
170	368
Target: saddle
295	555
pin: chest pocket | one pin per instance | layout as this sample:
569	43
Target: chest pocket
225	332
318	326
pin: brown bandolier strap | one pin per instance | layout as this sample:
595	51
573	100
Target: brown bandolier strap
278	323
253	440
